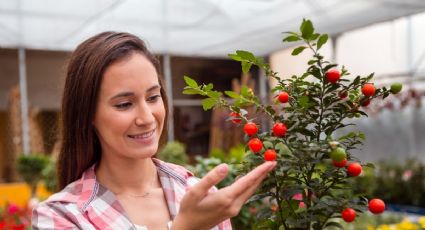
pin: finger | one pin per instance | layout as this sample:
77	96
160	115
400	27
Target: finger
242	198
249	179
217	174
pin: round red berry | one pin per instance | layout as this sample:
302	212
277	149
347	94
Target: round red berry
366	103
236	118
255	145
343	94
340	164
376	206
368	89
283	97
354	169
250	128
279	129
270	155
348	214
333	76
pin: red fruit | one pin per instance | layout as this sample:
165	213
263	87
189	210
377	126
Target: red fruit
283	97
354	169
250	128
236	118
255	145
333	76
366	103
368	90
279	129
270	155
376	206
343	94
348	215
340	164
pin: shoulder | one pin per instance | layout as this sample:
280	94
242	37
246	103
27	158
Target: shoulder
64	209
54	214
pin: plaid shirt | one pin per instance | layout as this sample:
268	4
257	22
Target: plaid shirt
86	204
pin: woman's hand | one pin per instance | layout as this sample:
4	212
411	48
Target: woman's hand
202	210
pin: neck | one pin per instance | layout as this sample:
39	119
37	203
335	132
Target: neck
127	176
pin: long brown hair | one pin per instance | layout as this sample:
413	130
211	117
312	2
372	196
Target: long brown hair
80	145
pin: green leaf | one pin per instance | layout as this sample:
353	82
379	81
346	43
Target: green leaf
246	66
190	91
209	86
291	38
245	91
306	132
190	82
232	94
334	224
370	165
214	94
298	50
322	40
208	103
245	55
311	62
268	145
314	36
235	57
307	29
304	101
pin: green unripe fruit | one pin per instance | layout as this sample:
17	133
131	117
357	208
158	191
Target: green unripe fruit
338	154
396	88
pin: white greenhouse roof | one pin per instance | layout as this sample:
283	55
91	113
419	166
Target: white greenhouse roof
187	27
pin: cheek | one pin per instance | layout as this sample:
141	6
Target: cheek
160	114
108	123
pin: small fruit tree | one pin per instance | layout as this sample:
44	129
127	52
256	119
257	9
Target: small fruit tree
309	185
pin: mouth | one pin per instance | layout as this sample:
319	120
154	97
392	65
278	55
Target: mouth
142	136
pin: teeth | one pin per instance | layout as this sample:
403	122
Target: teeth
144	135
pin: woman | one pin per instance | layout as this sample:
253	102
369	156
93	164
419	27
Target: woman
114	113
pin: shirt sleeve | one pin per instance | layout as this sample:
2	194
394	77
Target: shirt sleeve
48	216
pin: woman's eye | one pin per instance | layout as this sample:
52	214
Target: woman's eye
124	105
154	98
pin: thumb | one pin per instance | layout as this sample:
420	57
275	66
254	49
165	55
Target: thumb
212	178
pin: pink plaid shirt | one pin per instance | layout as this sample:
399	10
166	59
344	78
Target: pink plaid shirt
86	204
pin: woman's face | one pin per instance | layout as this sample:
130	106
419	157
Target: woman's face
130	112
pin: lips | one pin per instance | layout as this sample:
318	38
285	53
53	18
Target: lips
141	136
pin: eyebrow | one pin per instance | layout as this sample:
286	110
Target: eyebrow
128	94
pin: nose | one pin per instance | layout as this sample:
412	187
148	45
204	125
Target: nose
144	116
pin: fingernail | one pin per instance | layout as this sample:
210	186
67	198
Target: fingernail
223	169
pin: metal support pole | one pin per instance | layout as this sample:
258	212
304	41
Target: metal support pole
264	96
169	90
24	101
409	48
411	130
334	47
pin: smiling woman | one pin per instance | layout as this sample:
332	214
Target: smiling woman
114	112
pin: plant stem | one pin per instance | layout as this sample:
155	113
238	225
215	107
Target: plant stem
278	199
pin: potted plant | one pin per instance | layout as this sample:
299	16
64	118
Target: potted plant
30	167
315	165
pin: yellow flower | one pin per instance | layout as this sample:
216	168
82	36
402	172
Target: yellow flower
407	225
384	227
421	221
